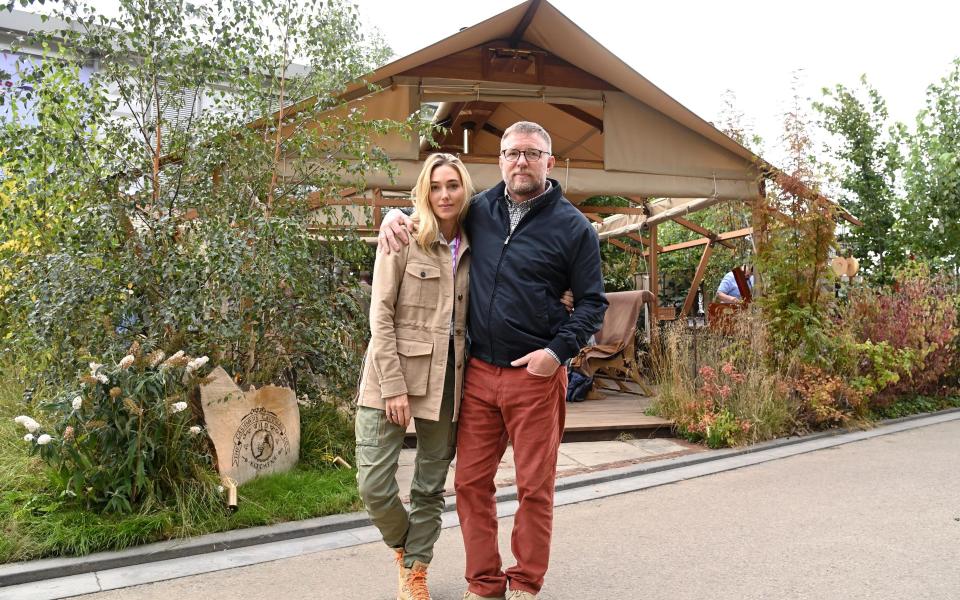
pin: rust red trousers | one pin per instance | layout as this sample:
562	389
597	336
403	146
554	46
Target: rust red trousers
502	404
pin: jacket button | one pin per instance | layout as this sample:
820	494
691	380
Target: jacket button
423	273
459	296
459	365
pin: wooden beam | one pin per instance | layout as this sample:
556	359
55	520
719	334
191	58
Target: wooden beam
493	159
737	233
581	115
730	235
701	230
625	246
521	27
492	129
377	199
653	270
612	210
697	278
683	245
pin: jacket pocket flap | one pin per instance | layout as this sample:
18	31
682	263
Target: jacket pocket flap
423	271
414	347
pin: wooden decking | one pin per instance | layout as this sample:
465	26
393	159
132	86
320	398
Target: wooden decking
616	414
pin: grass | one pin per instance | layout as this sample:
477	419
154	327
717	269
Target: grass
35	522
36	525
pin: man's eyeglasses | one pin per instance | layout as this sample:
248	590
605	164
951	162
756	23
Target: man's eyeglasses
532	155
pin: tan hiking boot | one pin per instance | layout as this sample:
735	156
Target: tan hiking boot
521	595
414	587
401	571
472	596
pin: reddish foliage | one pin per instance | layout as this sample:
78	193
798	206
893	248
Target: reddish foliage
917	313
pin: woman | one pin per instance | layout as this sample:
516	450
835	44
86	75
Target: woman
414	369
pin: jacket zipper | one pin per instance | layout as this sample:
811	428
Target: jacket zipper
496	276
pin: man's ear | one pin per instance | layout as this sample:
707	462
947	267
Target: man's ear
552	160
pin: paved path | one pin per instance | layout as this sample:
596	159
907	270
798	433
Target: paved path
573	458
874	519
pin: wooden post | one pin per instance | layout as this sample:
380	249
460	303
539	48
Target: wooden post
654	286
759	221
377	210
701	271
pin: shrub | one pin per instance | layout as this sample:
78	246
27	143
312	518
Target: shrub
906	335
125	437
184	228
822	399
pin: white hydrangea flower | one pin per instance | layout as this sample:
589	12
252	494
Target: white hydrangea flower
28	437
173	357
31	425
178	407
126	361
220	488
196	429
94	367
103	378
44	439
196	363
158	357
77	403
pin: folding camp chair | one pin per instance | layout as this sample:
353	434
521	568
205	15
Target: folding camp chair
614	353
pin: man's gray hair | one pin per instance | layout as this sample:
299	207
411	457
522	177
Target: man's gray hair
529	127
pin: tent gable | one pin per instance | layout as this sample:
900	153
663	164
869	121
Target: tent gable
497	61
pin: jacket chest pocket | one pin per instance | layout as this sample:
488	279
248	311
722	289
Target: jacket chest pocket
420	286
415	357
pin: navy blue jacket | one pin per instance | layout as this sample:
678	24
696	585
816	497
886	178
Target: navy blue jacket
516	280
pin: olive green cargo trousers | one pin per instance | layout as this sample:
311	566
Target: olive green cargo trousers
378	450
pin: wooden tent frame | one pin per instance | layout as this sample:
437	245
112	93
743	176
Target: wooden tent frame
470	57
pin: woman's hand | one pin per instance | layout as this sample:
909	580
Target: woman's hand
398	410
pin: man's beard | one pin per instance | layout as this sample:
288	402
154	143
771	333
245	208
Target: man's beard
525	186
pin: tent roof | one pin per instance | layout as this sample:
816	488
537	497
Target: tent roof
625	137
539	23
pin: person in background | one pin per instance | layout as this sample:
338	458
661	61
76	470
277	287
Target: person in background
413	369
728	292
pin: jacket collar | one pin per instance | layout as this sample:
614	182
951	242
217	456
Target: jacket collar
499	192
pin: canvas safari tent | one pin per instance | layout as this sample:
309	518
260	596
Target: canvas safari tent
614	132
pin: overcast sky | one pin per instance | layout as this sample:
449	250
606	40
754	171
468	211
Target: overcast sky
695	50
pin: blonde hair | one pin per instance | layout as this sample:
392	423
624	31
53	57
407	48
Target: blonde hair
428	231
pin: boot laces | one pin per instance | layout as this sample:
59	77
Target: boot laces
417	585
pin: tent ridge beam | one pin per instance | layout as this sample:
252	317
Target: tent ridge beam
521	27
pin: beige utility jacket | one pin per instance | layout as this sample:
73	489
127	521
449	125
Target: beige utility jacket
414	297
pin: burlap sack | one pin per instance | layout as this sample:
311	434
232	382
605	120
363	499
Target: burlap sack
255	432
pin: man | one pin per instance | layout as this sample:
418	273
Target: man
728	292
529	244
